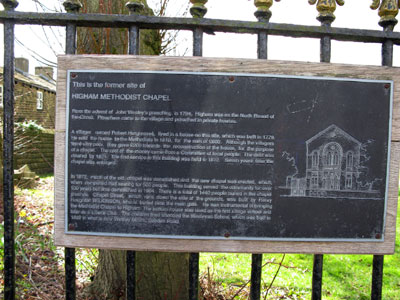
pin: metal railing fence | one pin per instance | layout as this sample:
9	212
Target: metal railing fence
198	25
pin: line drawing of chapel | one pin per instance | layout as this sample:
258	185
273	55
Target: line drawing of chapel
332	167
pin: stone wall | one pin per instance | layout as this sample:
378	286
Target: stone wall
25	105
35	149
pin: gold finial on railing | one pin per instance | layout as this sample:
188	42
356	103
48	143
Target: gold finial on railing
9	4
72	6
388	10
135	7
263	13
198	10
326	9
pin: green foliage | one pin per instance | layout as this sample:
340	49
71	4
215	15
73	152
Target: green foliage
1	247
28	127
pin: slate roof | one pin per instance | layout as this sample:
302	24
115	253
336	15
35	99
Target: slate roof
38	81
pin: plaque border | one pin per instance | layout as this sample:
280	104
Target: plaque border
221	237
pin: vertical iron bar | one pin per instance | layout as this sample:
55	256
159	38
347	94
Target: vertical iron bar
256	259
134	40
194	276
70	268
387	47
317	277
70	289
387	53
256	268
262	45
377	275
325	43
133	49
70	42
8	170
325	56
194	258
198	42
377	265
262	38
130	275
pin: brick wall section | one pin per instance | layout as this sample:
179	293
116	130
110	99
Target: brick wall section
37	151
25	105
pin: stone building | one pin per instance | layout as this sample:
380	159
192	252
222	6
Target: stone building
34	95
34	100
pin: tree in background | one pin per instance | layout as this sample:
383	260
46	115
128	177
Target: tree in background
114	40
159	275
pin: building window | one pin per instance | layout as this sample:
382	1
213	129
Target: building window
333	158
314	181
349	160
39	100
349	181
332	155
314	159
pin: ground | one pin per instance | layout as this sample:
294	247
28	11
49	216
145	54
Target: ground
40	269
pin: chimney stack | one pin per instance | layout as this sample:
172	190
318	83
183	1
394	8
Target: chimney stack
22	64
45	71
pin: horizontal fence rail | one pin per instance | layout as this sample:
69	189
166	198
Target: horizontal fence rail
198	25
207	25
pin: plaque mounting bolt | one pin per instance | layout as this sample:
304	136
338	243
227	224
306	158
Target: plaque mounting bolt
71	227
227	235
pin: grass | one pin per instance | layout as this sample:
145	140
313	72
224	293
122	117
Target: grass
224	276
344	276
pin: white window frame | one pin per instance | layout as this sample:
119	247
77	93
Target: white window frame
39	100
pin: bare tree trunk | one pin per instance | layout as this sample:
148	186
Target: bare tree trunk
162	276
159	276
109	280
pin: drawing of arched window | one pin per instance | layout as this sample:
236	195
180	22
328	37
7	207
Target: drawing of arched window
333	154
349	160
349	181
314	159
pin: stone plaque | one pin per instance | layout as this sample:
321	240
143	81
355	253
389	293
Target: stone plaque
212	157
